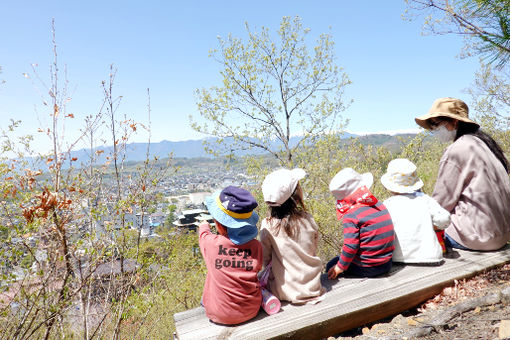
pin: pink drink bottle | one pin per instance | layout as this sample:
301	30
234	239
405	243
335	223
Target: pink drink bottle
270	303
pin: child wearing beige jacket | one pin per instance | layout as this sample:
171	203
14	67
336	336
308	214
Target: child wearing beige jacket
289	239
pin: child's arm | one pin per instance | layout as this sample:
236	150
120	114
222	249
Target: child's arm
315	235
349	249
204	230
334	271
259	257
265	239
351	244
440	217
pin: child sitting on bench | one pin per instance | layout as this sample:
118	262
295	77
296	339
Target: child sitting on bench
415	215
232	291
289	237
367	227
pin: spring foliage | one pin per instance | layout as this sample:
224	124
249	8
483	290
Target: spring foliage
70	263
485	24
273	87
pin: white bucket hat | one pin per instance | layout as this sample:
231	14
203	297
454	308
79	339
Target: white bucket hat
346	181
279	185
401	177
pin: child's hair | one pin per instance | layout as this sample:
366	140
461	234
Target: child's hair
283	215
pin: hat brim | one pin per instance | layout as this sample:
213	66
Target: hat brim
225	219
242	235
423	120
398	188
298	174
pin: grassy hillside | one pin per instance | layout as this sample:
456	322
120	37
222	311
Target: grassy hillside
57	266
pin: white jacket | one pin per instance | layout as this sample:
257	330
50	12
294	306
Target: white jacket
414	217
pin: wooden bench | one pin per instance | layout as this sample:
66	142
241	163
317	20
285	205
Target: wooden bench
349	302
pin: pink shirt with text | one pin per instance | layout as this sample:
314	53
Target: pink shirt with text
232	291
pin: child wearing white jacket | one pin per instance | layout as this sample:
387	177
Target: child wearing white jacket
415	215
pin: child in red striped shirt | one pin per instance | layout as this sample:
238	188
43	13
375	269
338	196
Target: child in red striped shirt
367	227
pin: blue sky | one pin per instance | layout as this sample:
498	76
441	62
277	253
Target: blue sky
164	46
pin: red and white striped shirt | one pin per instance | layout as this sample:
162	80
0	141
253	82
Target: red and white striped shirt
368	236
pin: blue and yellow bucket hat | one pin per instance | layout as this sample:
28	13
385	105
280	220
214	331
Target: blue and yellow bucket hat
233	208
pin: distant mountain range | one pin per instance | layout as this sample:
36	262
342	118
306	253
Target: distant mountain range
182	149
136	152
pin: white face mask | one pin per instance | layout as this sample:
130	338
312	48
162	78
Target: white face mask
443	134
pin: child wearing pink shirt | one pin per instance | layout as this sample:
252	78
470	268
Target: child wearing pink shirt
232	291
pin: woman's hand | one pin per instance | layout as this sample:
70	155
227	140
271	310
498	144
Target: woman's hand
334	271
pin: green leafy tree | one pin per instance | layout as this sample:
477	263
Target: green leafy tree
485	25
69	264
487	22
273	87
490	93
171	215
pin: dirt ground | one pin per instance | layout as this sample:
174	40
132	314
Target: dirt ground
491	321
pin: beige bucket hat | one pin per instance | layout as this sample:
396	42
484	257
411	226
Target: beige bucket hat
446	107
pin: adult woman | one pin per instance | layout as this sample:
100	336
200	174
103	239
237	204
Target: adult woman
472	182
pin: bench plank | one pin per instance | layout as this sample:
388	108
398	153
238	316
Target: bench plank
349	302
